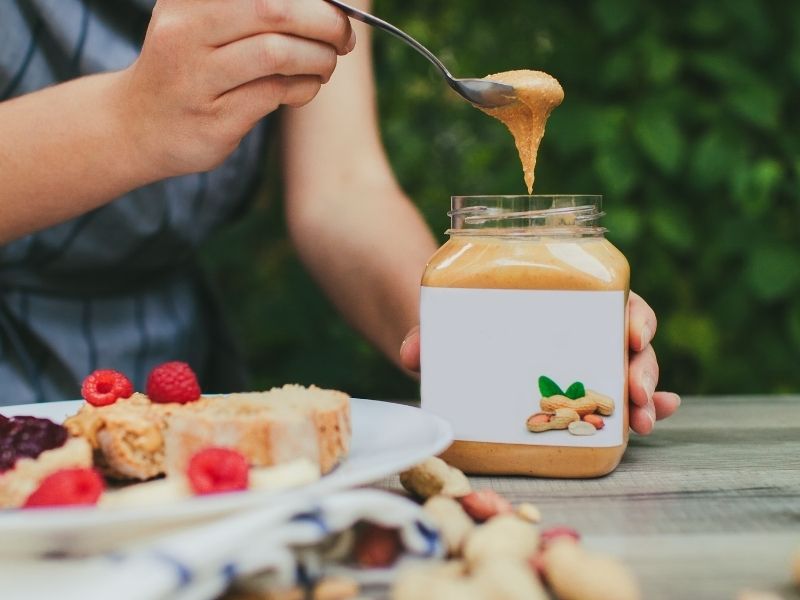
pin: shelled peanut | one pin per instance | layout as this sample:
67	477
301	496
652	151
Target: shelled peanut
575	574
454	523
434	476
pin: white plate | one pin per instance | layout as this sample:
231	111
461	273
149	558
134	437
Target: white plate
387	438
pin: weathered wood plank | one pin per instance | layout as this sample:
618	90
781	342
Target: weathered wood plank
706	506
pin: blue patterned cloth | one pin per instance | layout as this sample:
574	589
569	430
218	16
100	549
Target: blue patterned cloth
117	287
282	543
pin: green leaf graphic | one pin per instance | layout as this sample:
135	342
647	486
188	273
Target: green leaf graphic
575	391
548	387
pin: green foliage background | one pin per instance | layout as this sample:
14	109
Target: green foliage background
683	114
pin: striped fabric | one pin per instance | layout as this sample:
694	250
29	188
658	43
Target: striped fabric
117	287
285	540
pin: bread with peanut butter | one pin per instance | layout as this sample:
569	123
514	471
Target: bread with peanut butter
135	438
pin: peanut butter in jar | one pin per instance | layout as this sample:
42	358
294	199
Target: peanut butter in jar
523	337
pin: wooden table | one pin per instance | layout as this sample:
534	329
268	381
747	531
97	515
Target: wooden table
705	507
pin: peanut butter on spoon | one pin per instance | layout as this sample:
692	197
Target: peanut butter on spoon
537	95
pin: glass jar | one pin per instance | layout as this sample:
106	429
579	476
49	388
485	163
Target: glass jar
523	324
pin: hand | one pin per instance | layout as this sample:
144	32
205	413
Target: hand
646	405
210	70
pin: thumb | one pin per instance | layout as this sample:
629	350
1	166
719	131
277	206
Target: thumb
409	350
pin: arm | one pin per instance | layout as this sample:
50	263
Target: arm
356	231
207	73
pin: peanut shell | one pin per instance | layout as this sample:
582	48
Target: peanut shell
582	406
605	405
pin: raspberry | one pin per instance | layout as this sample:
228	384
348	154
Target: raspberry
68	487
173	382
105	386
216	470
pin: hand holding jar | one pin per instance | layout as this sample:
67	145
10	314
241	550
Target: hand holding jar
646	404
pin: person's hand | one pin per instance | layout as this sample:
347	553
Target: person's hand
210	70
646	405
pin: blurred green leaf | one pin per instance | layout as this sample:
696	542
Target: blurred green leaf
793	57
704	19
714	157
751	20
693	334
614	15
619	69
616	166
793	321
758	103
570	127
722	68
754	186
624	224
607	125
660	138
773	272
766	176
672	225
662	63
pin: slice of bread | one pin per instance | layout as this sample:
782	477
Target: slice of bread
19	482
127	437
139	439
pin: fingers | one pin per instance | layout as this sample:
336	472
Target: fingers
641	421
646	405
664	403
230	20
254	100
409	351
642	322
268	54
643	378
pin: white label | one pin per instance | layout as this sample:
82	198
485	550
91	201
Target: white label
483	352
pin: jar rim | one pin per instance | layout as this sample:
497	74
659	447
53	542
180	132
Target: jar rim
575	215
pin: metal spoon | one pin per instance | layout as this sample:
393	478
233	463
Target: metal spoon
488	94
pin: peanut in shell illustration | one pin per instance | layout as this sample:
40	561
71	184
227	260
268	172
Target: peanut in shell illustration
558	407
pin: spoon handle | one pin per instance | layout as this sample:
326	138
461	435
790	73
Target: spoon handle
389	28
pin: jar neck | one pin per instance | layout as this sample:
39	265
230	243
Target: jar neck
526	216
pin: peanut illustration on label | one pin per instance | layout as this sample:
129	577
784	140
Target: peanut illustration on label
576	409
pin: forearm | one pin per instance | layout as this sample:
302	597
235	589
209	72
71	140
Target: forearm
63	152
367	245
358	233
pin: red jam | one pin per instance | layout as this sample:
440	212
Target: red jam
27	437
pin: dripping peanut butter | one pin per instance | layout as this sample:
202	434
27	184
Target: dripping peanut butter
537	95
